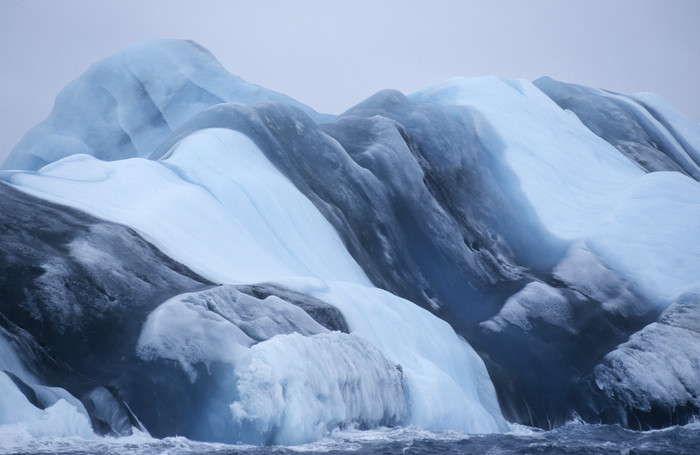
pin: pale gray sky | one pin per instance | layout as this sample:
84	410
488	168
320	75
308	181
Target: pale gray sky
333	54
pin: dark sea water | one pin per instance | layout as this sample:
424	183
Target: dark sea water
571	439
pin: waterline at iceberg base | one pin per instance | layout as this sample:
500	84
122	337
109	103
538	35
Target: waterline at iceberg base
188	255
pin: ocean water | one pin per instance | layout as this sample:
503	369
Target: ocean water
571	439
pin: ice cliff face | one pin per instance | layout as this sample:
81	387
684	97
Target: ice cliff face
286	273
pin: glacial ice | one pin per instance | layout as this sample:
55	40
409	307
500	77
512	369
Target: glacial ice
253	226
536	301
179	199
432	356
9	360
292	381
545	147
124	106
74	289
643	127
582	188
38	396
685	131
189	333
295	389
18	417
653	378
585	274
552	225
62	415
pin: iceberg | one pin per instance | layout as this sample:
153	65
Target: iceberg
260	228
127	104
190	254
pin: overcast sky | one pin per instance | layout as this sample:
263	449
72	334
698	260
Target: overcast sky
332	54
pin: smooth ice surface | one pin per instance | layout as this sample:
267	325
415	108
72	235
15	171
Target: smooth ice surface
652	134
18	417
10	361
217	205
63	414
581	187
684	130
216	185
127	104
546	148
536	301
187	332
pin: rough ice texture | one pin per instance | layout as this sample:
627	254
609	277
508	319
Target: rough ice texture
322	312
546	233
257	227
75	289
585	274
291	380
91	287
653	377
446	381
295	389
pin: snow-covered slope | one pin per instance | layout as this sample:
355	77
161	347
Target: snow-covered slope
552	227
